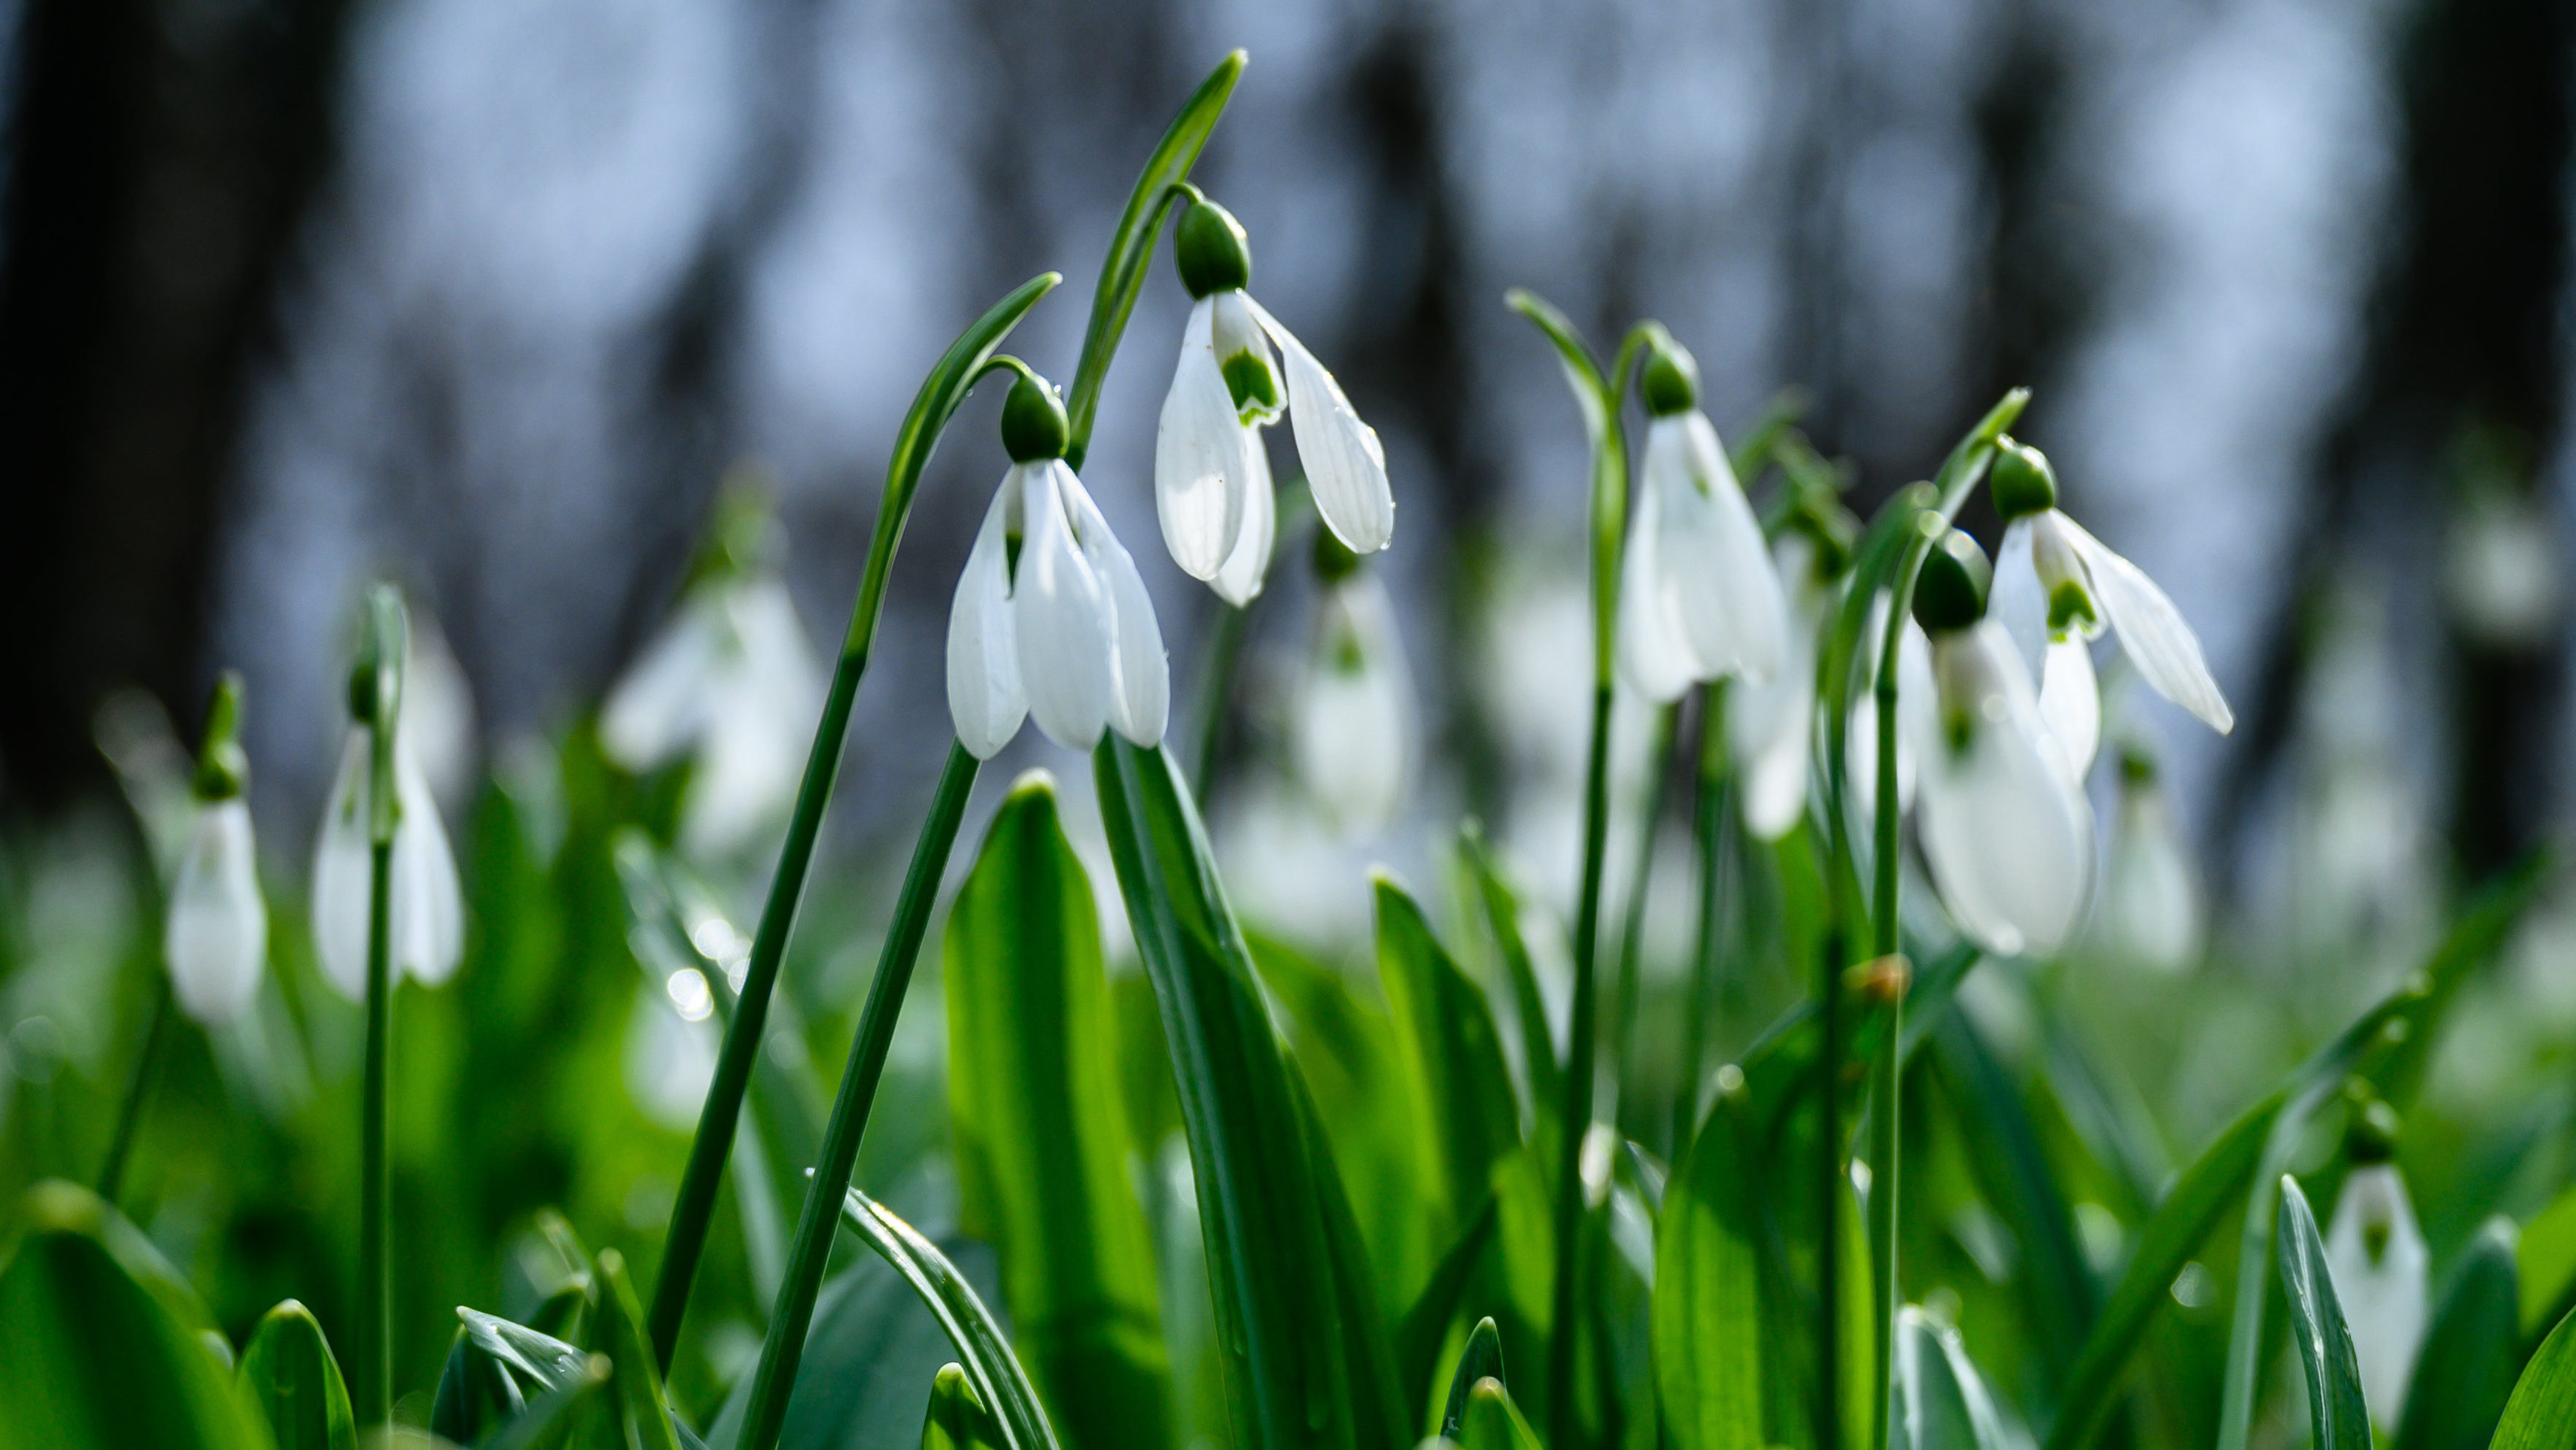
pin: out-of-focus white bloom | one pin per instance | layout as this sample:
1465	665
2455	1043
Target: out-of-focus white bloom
1771	724
2002	817
733	678
427	915
1211	477
216	936
2151	901
152	767
1051	618
2056	583
2377	1257
1353	735
438	712
1698	597
1915	717
670	1055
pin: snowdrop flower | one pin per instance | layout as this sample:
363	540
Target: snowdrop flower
427	929
1051	618
1698	598
2151	904
2379	1263
1771	725
216	937
732	679
1353	724
2001	813
2057	587
1211	477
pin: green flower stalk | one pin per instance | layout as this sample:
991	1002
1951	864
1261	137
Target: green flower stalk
375	704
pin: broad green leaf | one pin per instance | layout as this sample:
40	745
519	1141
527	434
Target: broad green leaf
1708	1320
475	1394
1453	1058
288	1369
1493	1422
2542	1413
2464	1372
2546	1259
1941	1402
1374	1389
1131	247
1482	1360
92	1356
1293	1360
999	1380
1418	1335
1041	1148
643	1412
2337	1417
956	1419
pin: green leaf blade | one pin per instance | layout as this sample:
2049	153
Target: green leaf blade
2543	1406
1708	1320
288	1369
1942	1402
999	1379
2464	1374
2337	1415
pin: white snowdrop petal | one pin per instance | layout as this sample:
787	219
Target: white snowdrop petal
216	938
1238	581
2008	836
1917	717
2151	909
1199	456
1720	575
659	706
984	697
1345	464
2017	600
2070	702
1771	724
2384	1295
1140	699
1653	656
428	902
341	871
2152	632
1061	613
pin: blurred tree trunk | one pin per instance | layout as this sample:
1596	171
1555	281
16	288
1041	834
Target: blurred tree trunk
163	156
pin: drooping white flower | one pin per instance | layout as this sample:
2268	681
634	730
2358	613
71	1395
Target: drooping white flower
1212	484
216	935
427	909
2376	1255
2151	902
2056	584
1771	724
1050	617
1353	725
438	711
732	678
1698	597
2000	811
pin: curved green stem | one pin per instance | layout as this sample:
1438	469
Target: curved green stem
781	1352
383	662
693	1209
1632	924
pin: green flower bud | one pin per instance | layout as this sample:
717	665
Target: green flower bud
362	688
2022	481
1672	379
1334	562
2370	1136
1950	593
1213	254
1034	428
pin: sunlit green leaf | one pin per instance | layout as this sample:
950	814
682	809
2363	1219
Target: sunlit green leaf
1708	1320
2542	1413
1493	1422
956	1419
2472	1350
1453	1058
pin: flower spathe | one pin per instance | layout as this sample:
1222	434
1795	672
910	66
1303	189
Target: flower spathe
1051	620
1353	728
2001	813
1698	596
427	909
2057	586
2376	1255
216	936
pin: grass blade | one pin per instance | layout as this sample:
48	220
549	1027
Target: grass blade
1041	1145
2337	1416
996	1373
288	1369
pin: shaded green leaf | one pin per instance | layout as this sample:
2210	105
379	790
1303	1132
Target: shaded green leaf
1493	1422
288	1369
643	1412
999	1380
956	1419
1041	1148
1502	910
2465	1371
1453	1058
2337	1416
1418	1336
474	1393
2542	1413
1708	1320
1481	1360
1941	1402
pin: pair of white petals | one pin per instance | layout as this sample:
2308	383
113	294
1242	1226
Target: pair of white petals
734	679
1698	596
215	938
1067	636
427	907
1212	485
2375	1254
2048	550
1353	735
1770	724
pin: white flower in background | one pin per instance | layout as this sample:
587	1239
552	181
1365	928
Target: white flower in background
2151	901
1353	728
1051	618
1771	724
438	713
1698	598
732	678
1211	478
215	938
2380	1266
2056	586
427	908
2001	811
